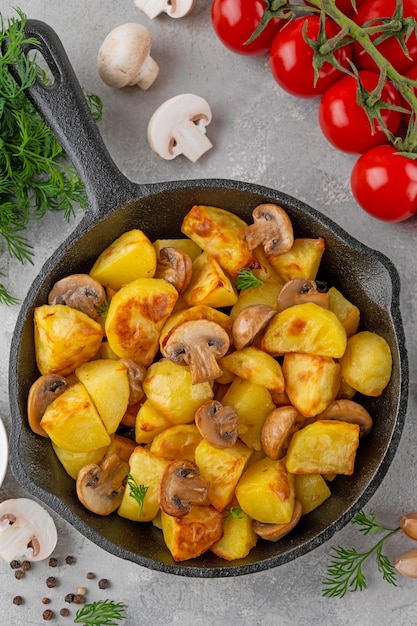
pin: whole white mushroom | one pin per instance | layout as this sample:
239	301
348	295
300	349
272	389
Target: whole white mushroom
124	57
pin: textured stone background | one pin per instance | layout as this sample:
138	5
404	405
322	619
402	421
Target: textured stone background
261	135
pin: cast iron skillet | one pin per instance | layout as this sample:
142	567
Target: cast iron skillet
367	277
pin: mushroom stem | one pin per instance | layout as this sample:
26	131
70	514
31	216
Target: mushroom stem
191	139
15	539
146	75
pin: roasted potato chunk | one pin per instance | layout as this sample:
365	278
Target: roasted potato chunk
305	328
256	366
220	233
149	423
347	312
64	338
367	363
187	537
323	447
238	537
72	462
311	490
129	257
177	442
311	382
302	261
136	315
209	284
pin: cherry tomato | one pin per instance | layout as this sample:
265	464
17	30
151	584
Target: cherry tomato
384	183
390	48
291	58
234	21
344	122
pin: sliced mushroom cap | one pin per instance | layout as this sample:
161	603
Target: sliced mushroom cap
26	530
300	290
277	430
175	266
272	228
250	323
181	487
348	411
43	391
173	8
217	423
199	343
136	373
100	488
274	532
178	126
79	291
124	58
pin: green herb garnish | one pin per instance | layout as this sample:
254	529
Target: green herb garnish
138	492
246	279
345	570
235	512
35	176
101	613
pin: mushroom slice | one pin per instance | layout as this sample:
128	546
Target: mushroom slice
26	530
249	324
217	423
181	487
124	58
79	291
272	229
277	430
274	532
173	8
178	126
43	391
199	343
136	373
346	410
100	488
406	564
300	290
175	266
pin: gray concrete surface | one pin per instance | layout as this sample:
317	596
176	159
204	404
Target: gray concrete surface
262	135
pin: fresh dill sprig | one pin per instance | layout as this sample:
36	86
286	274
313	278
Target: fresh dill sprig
138	492
235	512
100	613
35	175
246	279
345	571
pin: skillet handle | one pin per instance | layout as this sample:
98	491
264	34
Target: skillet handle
64	108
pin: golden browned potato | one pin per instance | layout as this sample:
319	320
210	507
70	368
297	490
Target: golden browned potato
306	328
209	284
256	366
266	293
222	468
187	537
72	462
177	442
266	492
129	257
136	315
147	470
252	403
107	384
311	490
64	338
149	423
238	537
323	447
346	311
311	382
168	387
367	363
302	261
219	232
186	245
72	421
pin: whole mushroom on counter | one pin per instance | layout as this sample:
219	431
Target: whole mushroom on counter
124	58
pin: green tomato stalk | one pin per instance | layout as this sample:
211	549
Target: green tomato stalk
349	32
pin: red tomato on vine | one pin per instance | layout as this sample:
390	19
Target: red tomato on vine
291	58
344	122
384	183
234	21
345	6
390	48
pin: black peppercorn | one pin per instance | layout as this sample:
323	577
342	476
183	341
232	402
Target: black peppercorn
53	562
26	565
79	598
15	564
64	612
90	575
47	615
69	597
103	583
70	560
19	573
51	582
18	600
